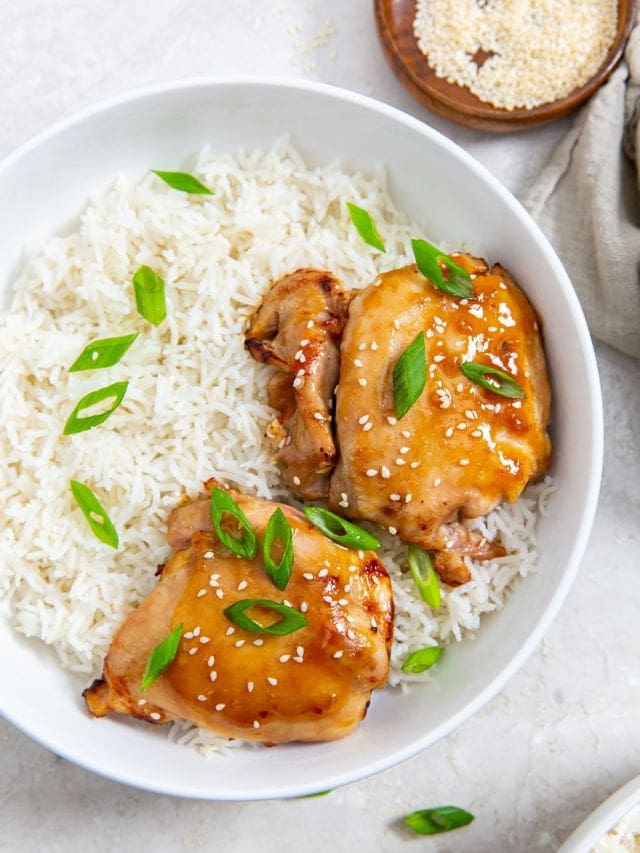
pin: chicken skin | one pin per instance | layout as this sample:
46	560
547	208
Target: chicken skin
297	329
313	684
460	450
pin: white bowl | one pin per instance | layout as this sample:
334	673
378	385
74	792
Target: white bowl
47	181
603	819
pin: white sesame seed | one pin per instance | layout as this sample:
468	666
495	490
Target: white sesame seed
400	461
392	531
296	481
462	425
357	362
297	382
404	450
239	644
258	642
384	471
351	634
464	462
476	433
328	599
202	698
154	715
362	381
219	593
204	640
208	555
272	681
220	706
406	433
408	498
304	607
395	496
304	342
188	635
367	427
471	414
393	421
230	631
307	576
361	553
284	658
250	686
323	573
298	659
338	655
362	420
142	702
196	631
300	651
200	593
415	464
352	569
437	481
310	324
460	386
374	345
256	724
362	347
211	661
343	602
242	585
371	472
449	432
438	358
344	504
213	675
318	416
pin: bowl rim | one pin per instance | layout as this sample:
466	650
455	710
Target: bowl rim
51	739
603	818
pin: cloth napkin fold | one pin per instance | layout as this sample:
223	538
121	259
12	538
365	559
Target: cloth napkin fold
587	201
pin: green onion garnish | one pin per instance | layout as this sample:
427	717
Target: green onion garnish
278	529
244	546
95	513
425	576
161	658
344	532
149	290
183	181
440	819
365	226
102	353
499	383
422	659
429	258
318	794
292	620
77	423
409	376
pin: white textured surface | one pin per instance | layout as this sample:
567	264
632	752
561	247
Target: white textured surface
564	734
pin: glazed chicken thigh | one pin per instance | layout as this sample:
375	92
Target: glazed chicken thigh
310	685
461	449
297	330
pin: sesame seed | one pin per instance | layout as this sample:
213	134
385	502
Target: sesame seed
188	635
357	362
298	659
304	342
392	531
449	432
256	724
471	414
213	675
395	496
328	599
352	569
367	427
284	658
371	472
250	686
154	715
300	651
272	681
408	498
460	386
438	358
297	382
362	420
343	602
374	345
323	573
307	576
202	698
309	324
462	425
296	481
318	416
239	644
344	504
220	706
338	655
476	433
230	631
258	642
208	555
142	702
400	461
384	471
415	464
196	631
351	634
361	553
362	347
404	450
362	381
347	587
204	640
437	481
406	433
304	607
242	585
464	462
211	661
219	593
393	421
200	593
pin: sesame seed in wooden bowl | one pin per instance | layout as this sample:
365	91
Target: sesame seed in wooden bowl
527	81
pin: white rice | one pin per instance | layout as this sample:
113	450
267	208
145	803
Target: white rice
196	403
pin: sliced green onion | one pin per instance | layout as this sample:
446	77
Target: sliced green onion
278	529
149	290
425	576
344	532
77	423
292	620
429	258
365	226
422	659
183	181
440	819
247	544
499	383
95	513
318	794
102	353
409	376
161	658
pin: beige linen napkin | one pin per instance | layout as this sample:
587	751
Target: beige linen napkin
587	201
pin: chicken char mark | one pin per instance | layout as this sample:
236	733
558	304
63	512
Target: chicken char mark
311	685
297	330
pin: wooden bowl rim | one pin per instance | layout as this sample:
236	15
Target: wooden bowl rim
488	112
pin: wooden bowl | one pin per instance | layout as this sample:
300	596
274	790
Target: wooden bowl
395	18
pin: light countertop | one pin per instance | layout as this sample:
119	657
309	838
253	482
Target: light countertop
564	734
